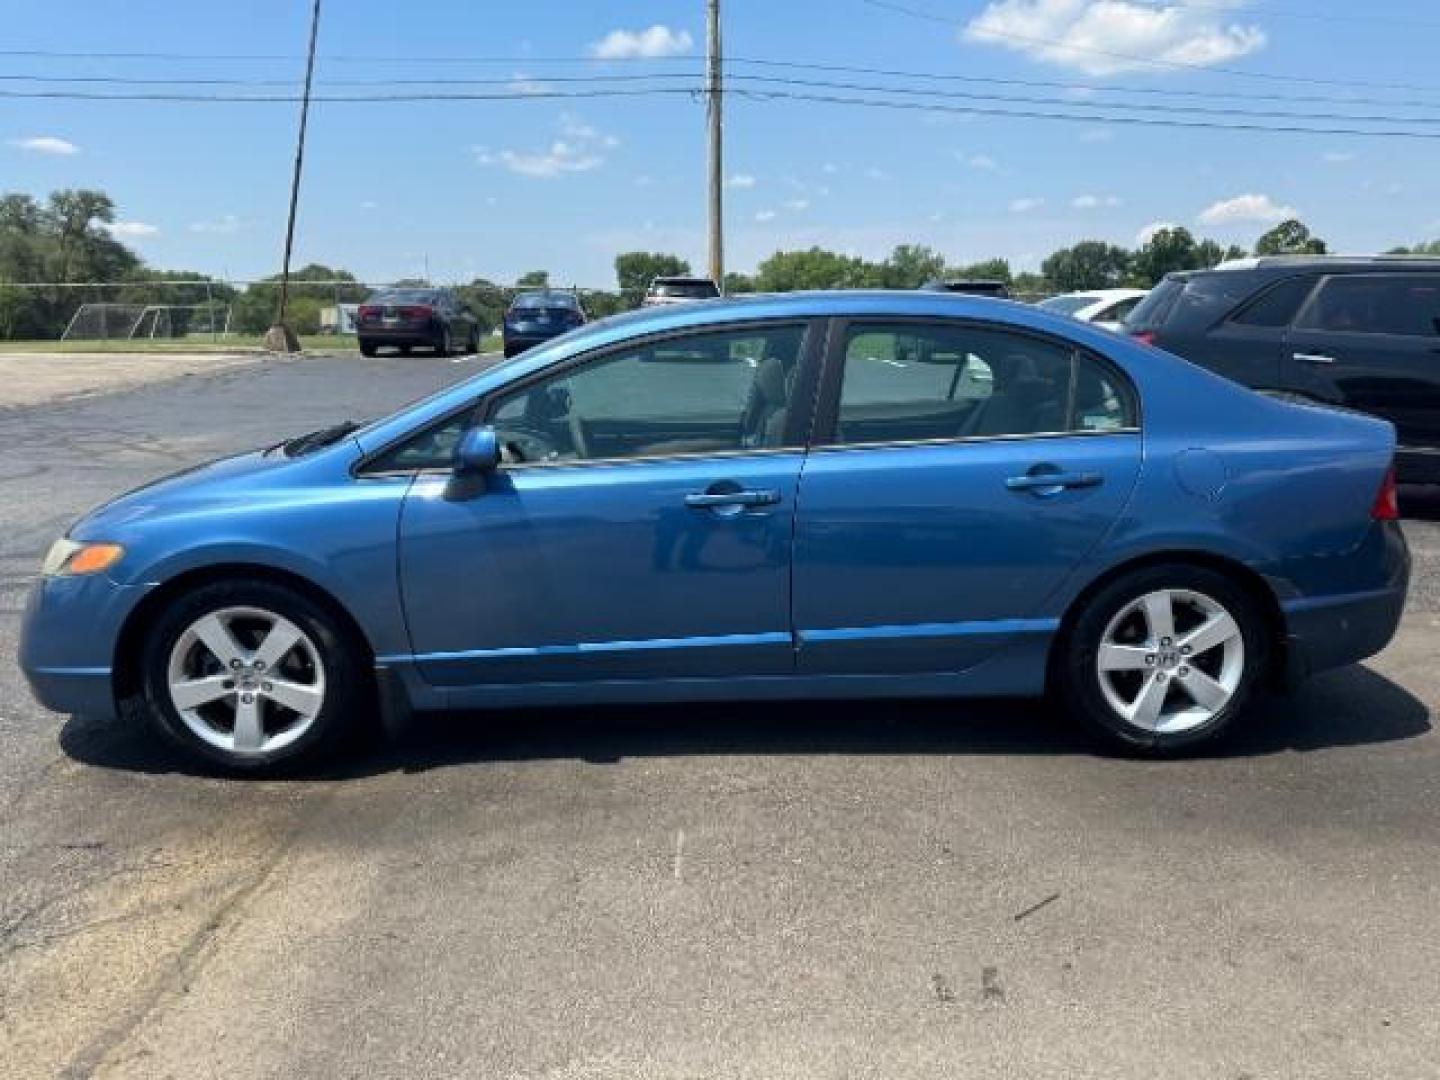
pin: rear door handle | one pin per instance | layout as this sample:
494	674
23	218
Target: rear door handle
705	500
1314	358
1049	483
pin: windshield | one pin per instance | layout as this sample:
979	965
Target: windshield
1067	305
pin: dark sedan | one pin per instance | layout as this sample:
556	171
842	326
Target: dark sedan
404	318
534	317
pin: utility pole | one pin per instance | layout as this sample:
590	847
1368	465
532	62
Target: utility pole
280	337
714	92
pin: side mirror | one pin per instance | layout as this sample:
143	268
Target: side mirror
478	452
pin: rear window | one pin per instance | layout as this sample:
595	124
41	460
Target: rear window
1276	307
687	290
1068	305
1151	311
546	300
405	296
1377	304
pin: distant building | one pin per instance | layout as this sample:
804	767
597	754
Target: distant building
339	318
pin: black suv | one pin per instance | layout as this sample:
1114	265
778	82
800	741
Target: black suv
1363	333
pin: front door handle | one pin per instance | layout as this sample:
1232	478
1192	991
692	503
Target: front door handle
1314	358
1040	481
708	500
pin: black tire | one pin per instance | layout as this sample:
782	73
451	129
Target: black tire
442	343
368	348
1078	682
404	350
348	696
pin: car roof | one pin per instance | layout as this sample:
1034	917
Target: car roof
1327	263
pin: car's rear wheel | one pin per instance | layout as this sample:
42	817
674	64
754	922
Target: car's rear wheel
368	348
442	343
1164	659
251	674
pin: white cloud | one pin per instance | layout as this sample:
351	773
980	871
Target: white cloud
131	230
1144	236
1094	202
1025	205
579	149
982	162
797	204
227	224
1104	37
657	41
876	173
46	144
764	215
742	180
1246	208
1337	157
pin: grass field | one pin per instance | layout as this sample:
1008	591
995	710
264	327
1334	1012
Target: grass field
330	344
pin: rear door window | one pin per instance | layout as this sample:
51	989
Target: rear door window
1402	304
1276	307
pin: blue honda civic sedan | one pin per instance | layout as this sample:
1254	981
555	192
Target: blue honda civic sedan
830	495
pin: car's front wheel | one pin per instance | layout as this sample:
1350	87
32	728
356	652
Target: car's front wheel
249	674
1164	659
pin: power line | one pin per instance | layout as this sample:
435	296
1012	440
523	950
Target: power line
1033	114
1178	65
992	104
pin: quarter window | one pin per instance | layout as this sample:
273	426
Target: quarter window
912	383
700	394
1377	304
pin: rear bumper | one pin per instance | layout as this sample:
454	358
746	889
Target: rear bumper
1331	631
423	334
515	343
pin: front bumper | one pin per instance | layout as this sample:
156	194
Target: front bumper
1324	632
68	635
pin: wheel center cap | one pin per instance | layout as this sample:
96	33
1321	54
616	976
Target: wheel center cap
1169	658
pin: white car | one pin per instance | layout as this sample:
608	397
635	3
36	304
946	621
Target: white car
1103	307
679	290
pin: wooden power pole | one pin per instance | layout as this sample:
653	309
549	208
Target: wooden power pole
714	93
280	337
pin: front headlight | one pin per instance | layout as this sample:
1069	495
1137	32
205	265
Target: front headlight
68	557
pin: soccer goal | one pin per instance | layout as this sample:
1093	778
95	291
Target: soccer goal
131	322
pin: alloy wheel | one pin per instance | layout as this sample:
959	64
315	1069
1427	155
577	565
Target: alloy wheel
246	680
1170	661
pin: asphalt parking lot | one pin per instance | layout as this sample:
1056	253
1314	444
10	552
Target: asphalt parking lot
874	890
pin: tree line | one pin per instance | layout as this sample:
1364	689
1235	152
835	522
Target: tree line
66	239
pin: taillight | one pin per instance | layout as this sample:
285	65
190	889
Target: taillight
368	312
1387	500
1145	337
417	312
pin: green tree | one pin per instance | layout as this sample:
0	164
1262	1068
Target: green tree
737	284
634	270
910	266
1430	248
984	270
1028	285
486	300
534	279
255	308
816	268
1090	264
1167	250
1290	237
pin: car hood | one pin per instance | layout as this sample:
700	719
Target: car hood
206	484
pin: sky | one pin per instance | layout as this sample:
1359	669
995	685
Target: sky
493	188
